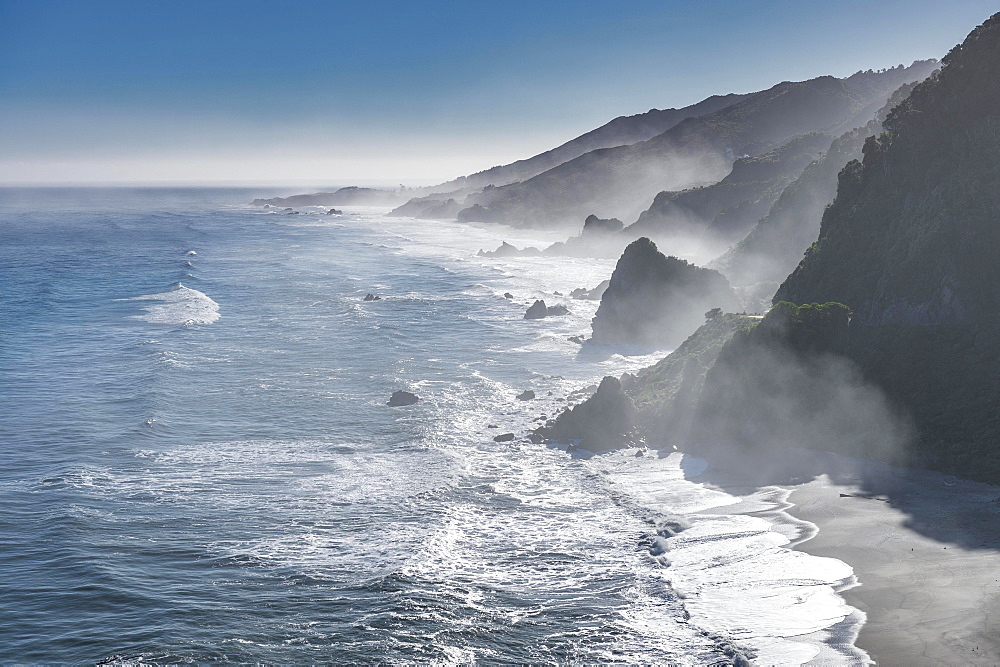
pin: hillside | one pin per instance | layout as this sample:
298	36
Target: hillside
621	181
775	244
621	131
909	246
722	213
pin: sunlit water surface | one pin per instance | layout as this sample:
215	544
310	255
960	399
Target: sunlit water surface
197	461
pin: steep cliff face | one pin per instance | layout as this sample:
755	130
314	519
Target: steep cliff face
910	246
657	300
913	234
774	246
666	395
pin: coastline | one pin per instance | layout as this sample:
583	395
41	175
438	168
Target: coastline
924	546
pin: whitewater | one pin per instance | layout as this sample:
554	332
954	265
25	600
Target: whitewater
197	462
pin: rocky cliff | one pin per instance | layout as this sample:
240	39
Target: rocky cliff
909	245
657	300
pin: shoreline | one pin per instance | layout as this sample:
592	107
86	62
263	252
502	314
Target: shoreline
924	547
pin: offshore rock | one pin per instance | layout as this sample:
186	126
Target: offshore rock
604	421
557	310
399	398
537	311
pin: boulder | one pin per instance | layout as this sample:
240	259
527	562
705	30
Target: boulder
537	311
402	398
604	421
508	295
505	437
557	310
526	395
371	297
334	211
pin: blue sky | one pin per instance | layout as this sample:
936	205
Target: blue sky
374	91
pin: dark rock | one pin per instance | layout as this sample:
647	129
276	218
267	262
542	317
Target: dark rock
507	250
402	398
428	208
508	295
628	381
557	310
479	213
371	297
537	311
526	395
536	438
292	213
604	421
289	208
506	437
594	226
334	211
590	294
492	426
657	300
576	339
351	195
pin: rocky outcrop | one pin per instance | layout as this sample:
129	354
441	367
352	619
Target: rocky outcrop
594	226
666	395
556	310
591	294
536	311
400	398
479	213
507	250
604	421
656	300
428	208
526	395
344	196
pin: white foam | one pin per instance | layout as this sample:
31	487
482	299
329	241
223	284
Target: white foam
734	570
181	305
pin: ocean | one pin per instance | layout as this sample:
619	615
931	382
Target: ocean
197	462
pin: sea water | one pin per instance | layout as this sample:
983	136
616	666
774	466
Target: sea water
197	461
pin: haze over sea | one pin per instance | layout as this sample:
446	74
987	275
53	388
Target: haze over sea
198	462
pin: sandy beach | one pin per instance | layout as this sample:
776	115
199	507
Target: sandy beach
925	548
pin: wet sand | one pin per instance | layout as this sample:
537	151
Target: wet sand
925	549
